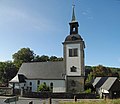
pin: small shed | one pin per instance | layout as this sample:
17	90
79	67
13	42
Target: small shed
107	87
111	88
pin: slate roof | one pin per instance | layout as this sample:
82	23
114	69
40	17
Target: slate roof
73	37
99	81
43	70
95	81
109	83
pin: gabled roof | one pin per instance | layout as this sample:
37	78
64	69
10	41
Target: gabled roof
99	81
95	81
43	70
19	78
109	83
106	83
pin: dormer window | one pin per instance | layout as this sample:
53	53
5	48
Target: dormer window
73	52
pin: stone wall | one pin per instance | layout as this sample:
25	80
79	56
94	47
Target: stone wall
75	84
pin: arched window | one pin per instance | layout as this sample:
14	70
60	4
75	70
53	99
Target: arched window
74	29
51	86
44	83
30	83
38	82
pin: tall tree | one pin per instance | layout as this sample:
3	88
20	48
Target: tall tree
7	71
23	55
53	58
43	58
101	71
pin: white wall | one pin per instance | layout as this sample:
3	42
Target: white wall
73	61
58	85
34	85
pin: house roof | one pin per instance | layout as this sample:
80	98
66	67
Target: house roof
73	37
19	78
99	81
95	81
109	83
43	70
14	80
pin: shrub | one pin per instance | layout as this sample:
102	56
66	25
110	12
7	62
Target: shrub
43	87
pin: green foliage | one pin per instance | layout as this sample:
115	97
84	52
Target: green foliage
45	58
53	58
42	58
88	91
90	77
23	55
101	71
43	87
7	71
89	87
27	55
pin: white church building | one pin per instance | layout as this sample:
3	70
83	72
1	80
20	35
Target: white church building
62	76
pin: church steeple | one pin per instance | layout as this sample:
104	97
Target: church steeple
73	24
73	50
73	15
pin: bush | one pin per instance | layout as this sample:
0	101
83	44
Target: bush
88	91
43	87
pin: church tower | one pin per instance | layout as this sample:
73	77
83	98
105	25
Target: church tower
73	48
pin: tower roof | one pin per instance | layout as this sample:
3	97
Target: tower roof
74	36
73	15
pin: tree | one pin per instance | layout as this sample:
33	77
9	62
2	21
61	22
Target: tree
23	55
53	58
7	71
43	58
101	71
89	77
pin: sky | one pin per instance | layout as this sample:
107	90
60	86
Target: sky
42	26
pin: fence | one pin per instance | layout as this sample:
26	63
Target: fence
59	95
5	91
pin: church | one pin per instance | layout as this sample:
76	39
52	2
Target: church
62	76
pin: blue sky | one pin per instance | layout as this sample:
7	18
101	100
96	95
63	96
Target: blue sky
42	25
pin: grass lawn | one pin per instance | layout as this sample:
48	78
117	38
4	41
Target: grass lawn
115	101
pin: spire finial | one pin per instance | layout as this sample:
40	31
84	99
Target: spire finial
73	13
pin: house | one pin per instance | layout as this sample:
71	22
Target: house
64	76
107	86
51	73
